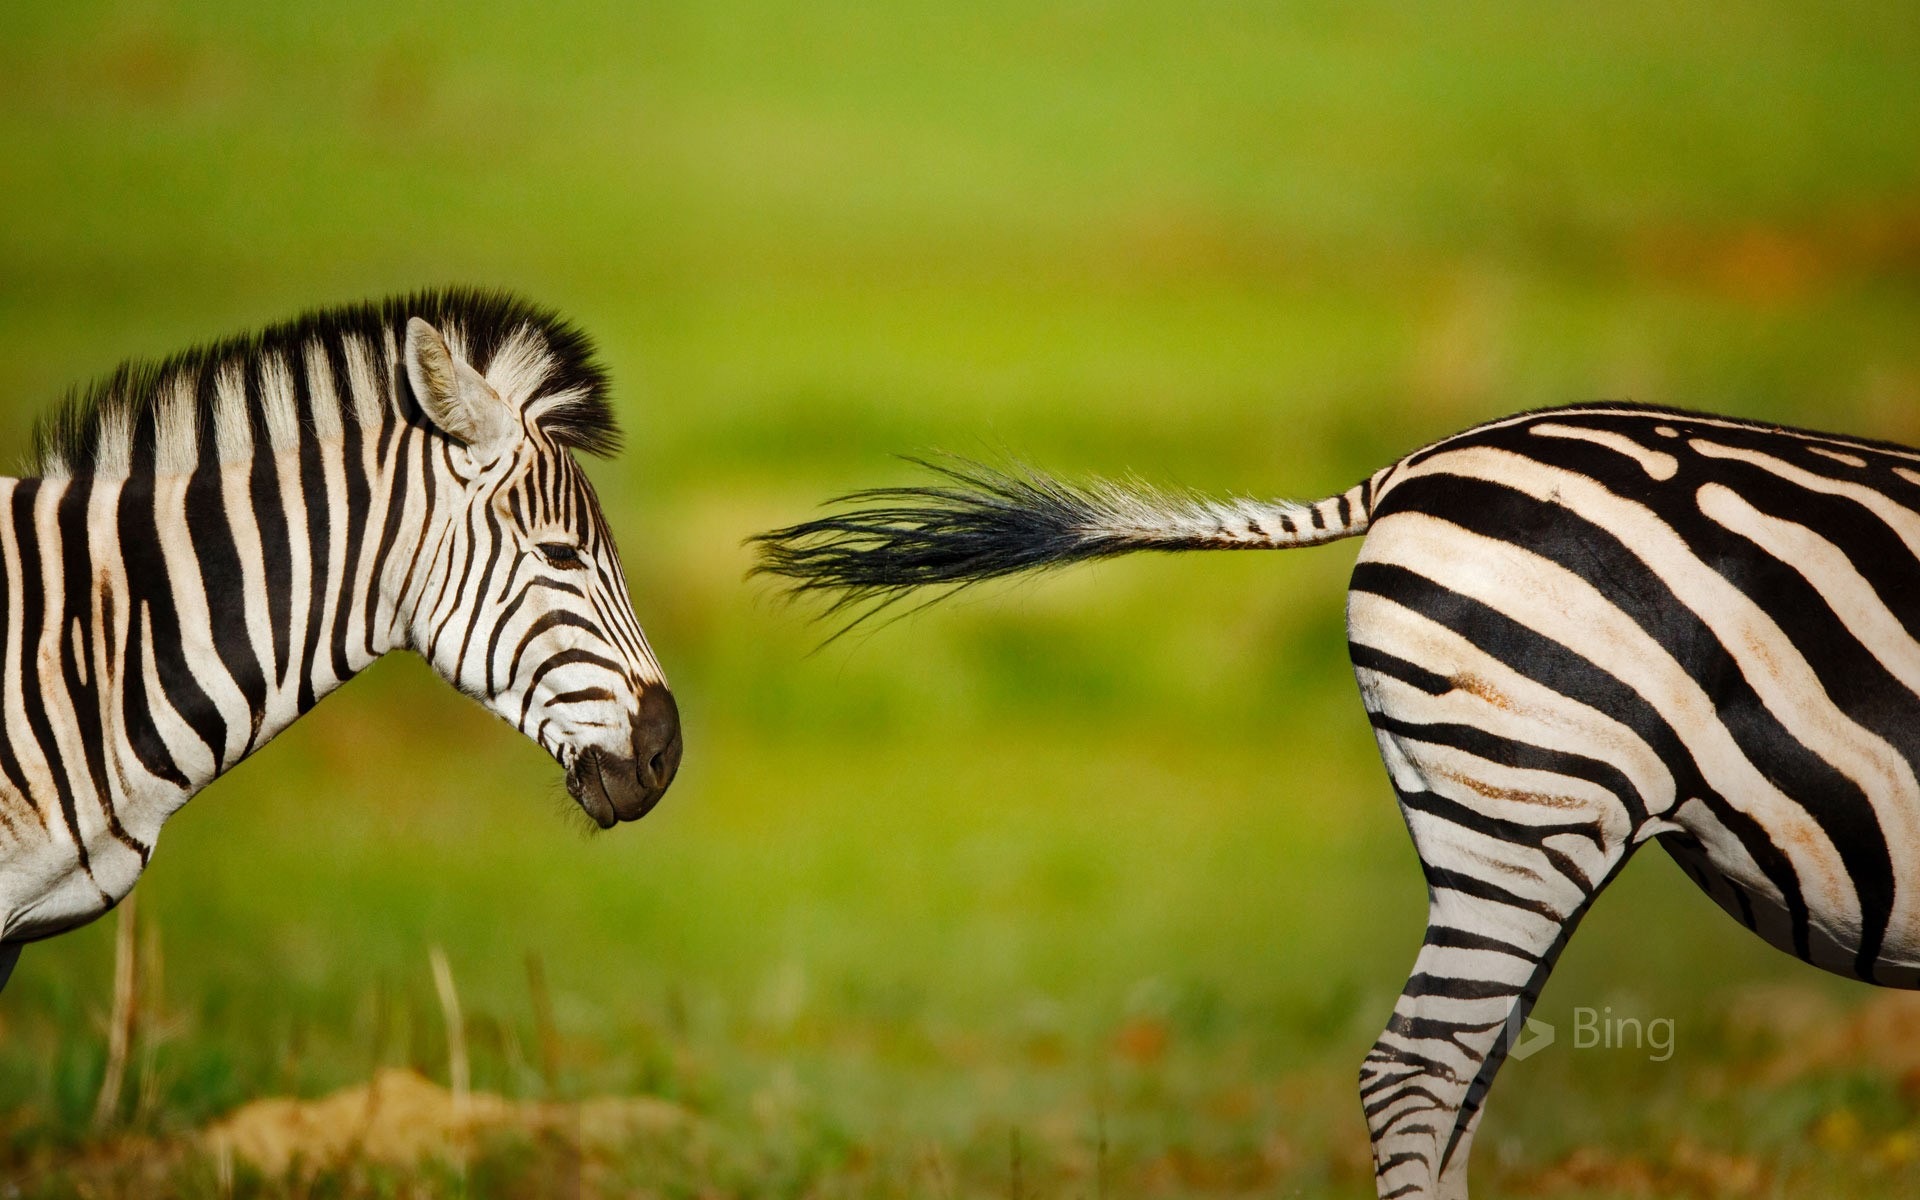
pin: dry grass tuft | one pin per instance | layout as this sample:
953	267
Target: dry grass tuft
403	1119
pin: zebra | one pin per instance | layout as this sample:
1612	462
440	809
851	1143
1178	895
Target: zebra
1575	630
203	548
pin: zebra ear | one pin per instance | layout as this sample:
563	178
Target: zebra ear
455	397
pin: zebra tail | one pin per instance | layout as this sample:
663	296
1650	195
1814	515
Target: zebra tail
979	522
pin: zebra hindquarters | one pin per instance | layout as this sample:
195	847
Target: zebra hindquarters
1523	797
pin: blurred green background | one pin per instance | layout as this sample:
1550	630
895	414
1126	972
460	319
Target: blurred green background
1086	886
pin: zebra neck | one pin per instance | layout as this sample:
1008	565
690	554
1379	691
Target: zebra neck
158	629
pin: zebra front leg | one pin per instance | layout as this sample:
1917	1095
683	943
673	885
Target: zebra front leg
1486	956
9	955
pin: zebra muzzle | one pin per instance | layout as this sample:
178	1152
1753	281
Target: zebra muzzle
612	788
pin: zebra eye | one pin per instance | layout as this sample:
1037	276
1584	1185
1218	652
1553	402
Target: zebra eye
560	554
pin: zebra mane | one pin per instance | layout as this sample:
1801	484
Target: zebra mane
317	372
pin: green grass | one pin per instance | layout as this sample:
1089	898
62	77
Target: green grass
1097	874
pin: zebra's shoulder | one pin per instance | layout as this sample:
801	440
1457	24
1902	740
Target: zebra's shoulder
318	368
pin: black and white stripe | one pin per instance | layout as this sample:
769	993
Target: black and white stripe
1574	631
205	547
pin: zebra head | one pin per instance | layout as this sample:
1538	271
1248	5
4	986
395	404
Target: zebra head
520	600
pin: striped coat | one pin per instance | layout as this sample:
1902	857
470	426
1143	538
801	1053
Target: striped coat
206	546
1575	631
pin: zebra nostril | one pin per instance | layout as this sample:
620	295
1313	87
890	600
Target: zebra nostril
656	738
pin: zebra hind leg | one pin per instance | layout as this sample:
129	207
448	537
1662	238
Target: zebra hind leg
1492	938
9	956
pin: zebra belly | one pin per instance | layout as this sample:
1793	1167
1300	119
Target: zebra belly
1829	940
